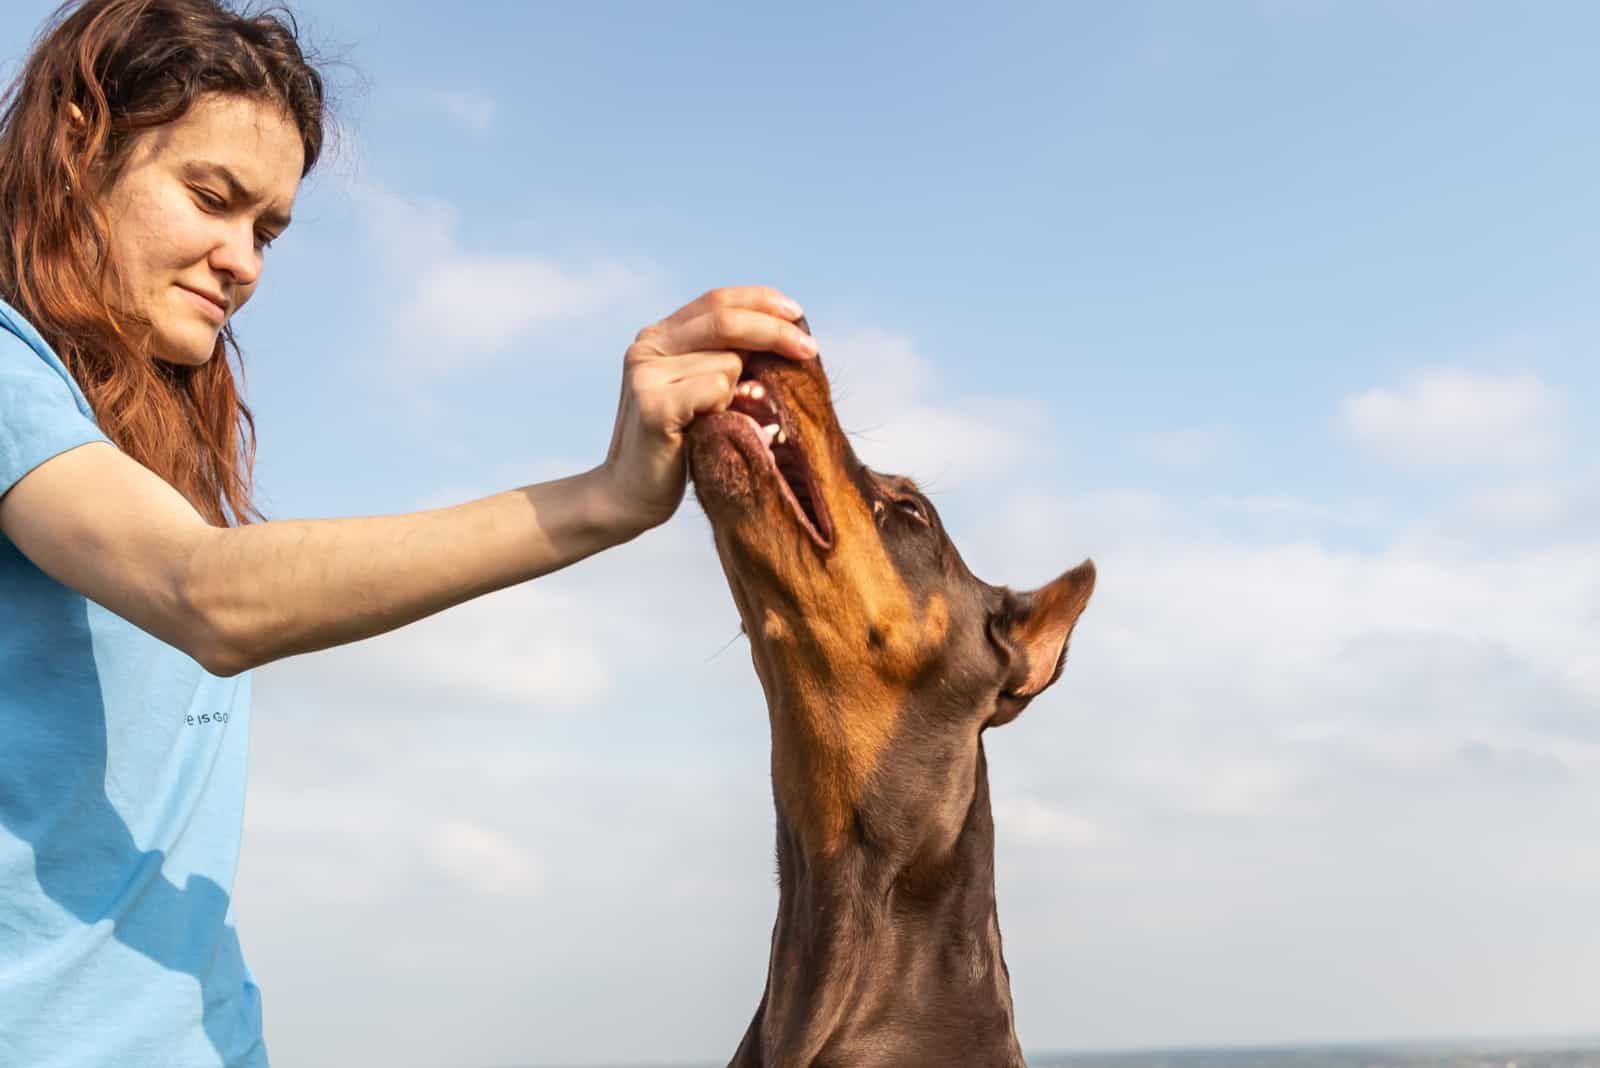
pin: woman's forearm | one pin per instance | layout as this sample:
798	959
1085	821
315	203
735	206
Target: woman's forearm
274	589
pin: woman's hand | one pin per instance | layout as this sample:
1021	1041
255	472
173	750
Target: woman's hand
676	369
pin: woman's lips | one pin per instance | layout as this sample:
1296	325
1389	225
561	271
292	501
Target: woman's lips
212	309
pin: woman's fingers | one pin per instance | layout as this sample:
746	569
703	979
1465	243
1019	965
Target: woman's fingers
670	392
742	329
695	396
755	298
693	364
746	318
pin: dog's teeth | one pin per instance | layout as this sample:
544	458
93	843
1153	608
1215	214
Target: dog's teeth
781	437
748	389
771	431
755	389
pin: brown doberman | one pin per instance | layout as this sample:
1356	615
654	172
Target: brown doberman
883	660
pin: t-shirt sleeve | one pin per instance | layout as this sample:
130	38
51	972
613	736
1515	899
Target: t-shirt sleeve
39	414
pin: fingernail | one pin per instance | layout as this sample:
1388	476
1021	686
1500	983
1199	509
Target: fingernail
791	309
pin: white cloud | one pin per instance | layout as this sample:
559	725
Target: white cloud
1393	738
1450	416
1039	822
483	860
1215	679
1269	506
889	400
581	638
1518	505
475	111
450	306
485	302
324	842
535	645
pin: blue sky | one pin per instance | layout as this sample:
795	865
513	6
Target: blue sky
1284	313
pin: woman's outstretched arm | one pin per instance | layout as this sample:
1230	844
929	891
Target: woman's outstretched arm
98	522
234	598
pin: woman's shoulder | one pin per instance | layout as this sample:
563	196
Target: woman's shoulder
18	336
42	410
27	360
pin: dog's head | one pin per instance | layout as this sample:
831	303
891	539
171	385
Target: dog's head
882	656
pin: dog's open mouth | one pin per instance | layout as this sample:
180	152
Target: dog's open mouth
759	405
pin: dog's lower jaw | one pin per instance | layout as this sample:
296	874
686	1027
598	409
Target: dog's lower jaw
868	973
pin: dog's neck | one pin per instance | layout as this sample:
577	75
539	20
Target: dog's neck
880	958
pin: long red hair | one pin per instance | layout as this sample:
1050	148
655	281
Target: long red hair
100	73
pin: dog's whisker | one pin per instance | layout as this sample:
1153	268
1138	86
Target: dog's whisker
731	640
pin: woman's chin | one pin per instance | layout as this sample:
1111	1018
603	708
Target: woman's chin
186	351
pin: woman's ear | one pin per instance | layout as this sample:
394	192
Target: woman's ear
1032	630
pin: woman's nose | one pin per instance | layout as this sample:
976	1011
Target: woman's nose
236	255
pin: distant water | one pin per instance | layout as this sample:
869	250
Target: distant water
1533	1053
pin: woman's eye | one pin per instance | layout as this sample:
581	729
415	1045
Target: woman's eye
210	201
263	241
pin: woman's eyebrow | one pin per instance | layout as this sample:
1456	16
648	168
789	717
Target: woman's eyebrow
236	190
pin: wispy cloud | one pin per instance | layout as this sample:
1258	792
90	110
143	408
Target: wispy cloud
1040	822
1237	659
484	860
1277	506
474	111
890	399
483	303
1518	505
1450	416
451	306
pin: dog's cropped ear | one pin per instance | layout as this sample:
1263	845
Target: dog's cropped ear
1031	632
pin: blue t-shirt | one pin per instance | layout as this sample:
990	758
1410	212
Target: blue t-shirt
122	770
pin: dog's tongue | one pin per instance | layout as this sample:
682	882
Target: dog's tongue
751	401
754	402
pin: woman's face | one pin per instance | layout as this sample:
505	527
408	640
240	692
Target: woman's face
194	208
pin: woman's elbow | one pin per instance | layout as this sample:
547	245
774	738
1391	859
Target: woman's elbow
209	635
213	649
224	663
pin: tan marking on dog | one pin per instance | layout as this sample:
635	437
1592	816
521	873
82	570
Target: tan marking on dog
832	696
834	701
774	628
936	621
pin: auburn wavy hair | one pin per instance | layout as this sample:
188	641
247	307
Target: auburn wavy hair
100	73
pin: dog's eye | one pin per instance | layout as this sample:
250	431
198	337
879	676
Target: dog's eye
912	507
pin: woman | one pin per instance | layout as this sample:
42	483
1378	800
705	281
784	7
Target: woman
150	152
